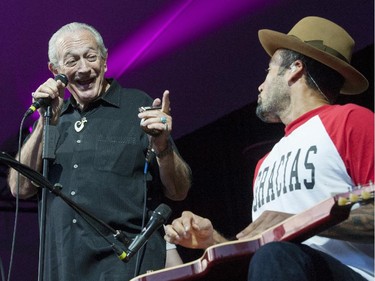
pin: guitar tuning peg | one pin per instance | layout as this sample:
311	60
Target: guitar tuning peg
342	201
365	195
353	197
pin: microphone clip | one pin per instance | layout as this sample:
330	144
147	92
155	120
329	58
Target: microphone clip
121	237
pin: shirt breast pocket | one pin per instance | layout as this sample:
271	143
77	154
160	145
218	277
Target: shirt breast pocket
116	155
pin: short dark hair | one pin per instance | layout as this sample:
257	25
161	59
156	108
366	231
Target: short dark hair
327	79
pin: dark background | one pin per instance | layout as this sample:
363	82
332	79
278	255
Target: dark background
208	56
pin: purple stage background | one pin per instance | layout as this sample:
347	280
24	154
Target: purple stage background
206	52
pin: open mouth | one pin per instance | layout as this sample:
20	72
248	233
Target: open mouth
86	84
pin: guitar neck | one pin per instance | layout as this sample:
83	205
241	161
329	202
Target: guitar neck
308	223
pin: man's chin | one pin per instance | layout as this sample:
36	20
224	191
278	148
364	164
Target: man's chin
86	96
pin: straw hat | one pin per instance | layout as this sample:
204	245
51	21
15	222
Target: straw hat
323	41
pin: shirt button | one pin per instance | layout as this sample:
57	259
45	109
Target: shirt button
74	221
75	166
73	193
78	141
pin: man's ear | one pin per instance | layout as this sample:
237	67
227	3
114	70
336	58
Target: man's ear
52	69
296	71
105	63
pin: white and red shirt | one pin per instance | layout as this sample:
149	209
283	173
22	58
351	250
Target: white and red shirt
324	152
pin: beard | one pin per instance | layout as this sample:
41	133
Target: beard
276	101
264	114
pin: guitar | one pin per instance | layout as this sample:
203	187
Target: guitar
233	257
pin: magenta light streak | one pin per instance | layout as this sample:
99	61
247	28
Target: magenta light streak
178	24
132	49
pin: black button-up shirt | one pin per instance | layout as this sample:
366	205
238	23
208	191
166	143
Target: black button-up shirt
101	168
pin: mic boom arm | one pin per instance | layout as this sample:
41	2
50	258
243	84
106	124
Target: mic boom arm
41	181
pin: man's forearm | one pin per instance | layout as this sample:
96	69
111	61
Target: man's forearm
175	175
359	227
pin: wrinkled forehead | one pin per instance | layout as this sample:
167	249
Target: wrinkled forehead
77	42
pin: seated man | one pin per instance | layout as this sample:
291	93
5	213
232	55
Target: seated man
326	150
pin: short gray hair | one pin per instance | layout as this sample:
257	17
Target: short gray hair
72	27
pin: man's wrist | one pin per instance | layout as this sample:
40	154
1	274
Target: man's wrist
164	152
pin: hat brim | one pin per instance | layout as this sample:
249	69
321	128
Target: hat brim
355	83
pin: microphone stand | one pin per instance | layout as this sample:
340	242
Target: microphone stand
47	155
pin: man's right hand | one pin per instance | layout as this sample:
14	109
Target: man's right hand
190	231
55	90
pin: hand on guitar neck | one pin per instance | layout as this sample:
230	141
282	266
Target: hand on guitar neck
266	220
195	232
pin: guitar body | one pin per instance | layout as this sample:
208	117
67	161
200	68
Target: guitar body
230	261
218	263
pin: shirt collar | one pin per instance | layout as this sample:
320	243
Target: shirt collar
110	97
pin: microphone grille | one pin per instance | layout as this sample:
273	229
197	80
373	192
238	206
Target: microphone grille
62	78
164	211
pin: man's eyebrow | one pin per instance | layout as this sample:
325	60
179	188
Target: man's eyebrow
85	51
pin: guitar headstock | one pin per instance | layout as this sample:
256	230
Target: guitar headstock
358	194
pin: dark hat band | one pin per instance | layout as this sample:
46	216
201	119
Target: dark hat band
319	45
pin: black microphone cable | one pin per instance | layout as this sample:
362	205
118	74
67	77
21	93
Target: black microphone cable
17	201
2	270
148	157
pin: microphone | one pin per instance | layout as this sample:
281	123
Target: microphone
158	218
44	102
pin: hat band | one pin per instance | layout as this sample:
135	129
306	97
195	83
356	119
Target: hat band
319	45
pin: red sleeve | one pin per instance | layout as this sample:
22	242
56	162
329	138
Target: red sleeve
351	129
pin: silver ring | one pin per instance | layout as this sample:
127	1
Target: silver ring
163	119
